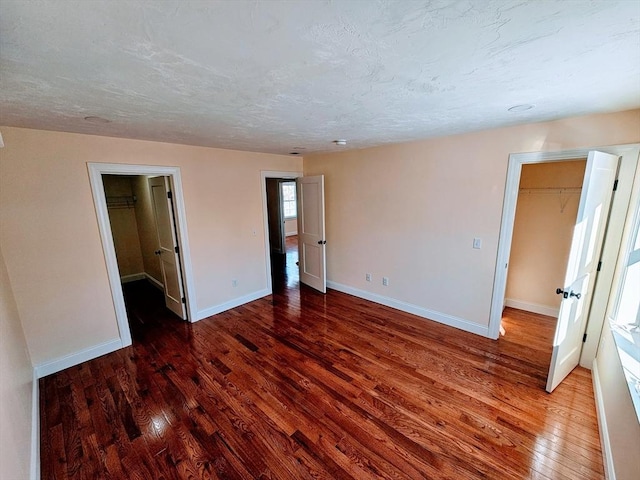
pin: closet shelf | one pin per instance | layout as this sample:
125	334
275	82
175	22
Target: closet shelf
551	191
127	201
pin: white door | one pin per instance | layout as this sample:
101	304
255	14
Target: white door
168	250
588	235
311	239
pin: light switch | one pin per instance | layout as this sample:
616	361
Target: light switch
477	243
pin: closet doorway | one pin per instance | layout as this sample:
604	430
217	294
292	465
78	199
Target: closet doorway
141	219
546	210
585	290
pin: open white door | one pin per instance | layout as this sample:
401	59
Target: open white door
168	245
311	240
588	236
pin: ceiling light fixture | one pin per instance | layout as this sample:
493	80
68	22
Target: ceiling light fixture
340	142
95	119
521	108
296	150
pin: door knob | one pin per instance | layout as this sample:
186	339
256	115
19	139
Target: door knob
568	294
158	252
322	242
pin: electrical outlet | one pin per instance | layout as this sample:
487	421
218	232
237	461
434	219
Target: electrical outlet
385	281
367	277
234	283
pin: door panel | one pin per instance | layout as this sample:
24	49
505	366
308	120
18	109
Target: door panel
312	255
167	243
311	234
586	246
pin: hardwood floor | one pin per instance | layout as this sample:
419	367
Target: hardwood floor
303	385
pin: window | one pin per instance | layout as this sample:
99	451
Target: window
628	301
625	325
289	199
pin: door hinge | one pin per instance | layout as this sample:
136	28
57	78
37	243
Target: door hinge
184	299
615	185
584	338
169	194
599	266
177	249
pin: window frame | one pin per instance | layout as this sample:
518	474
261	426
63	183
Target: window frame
626	333
284	202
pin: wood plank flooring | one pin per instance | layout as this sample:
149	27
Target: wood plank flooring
301	385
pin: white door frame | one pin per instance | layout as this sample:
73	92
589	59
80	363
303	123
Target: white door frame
264	174
96	170
620	205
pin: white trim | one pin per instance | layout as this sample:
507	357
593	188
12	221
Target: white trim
96	170
34	469
516	161
264	174
156	283
236	302
291	234
134	277
605	441
532	307
77	358
444	318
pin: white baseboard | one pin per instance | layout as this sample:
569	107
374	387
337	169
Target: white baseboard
34	469
134	277
77	358
532	307
290	234
605	443
236	302
444	318
154	282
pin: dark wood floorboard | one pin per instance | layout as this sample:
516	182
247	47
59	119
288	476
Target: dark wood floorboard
300	385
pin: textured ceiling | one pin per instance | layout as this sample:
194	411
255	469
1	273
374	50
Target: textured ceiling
273	75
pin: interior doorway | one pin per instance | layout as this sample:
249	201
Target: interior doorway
142	221
282	236
595	248
280	176
133	186
545	217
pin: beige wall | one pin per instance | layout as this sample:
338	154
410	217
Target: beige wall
146	223
621	419
16	382
410	211
49	231
124	226
542	233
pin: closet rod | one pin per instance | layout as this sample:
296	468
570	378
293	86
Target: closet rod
551	190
